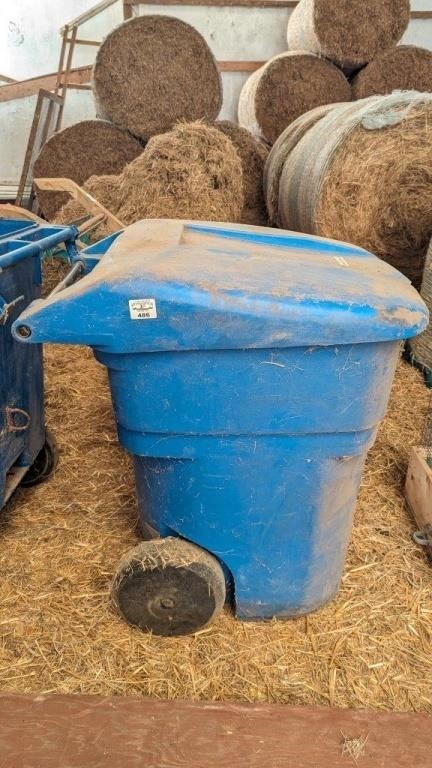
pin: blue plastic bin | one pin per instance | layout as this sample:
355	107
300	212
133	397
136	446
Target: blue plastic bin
27	454
249	370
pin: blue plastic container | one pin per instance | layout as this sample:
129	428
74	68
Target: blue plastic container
249	370
26	455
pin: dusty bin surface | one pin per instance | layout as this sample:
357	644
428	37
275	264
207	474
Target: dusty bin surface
249	370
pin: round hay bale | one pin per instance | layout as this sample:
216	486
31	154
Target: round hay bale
348	32
152	71
80	151
191	172
363	175
279	153
405	68
253	155
286	87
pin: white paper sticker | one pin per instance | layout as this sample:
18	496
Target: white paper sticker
142	309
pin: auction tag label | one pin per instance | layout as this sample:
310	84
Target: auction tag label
142	309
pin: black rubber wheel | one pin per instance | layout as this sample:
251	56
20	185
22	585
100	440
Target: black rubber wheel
169	587
44	464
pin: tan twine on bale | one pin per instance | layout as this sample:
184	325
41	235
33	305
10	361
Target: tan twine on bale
279	153
362	174
287	86
348	33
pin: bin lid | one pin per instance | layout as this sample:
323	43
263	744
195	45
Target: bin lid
171	285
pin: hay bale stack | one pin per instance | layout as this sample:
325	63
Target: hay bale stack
421	346
152	71
191	172
279	153
405	68
363	174
88	148
253	155
286	87
348	32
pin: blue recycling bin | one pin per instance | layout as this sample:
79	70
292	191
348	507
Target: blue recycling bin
27	452
249	370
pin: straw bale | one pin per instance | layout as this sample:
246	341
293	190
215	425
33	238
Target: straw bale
191	172
253	154
363	174
405	68
379	193
348	33
279	153
62	541
152	71
287	86
90	147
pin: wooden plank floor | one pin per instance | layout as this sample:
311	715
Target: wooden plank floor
88	732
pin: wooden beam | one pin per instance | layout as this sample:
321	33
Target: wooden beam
239	66
243	4
38	136
77	86
6	79
87	15
418	492
83	731
79	41
31	86
82	197
127	11
220	3
62	82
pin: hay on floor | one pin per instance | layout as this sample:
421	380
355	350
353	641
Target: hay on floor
152	71
61	543
349	32
404	68
90	147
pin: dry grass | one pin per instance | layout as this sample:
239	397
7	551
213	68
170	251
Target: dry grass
192	172
354	748
348	33
377	191
61	542
151	72
402	68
